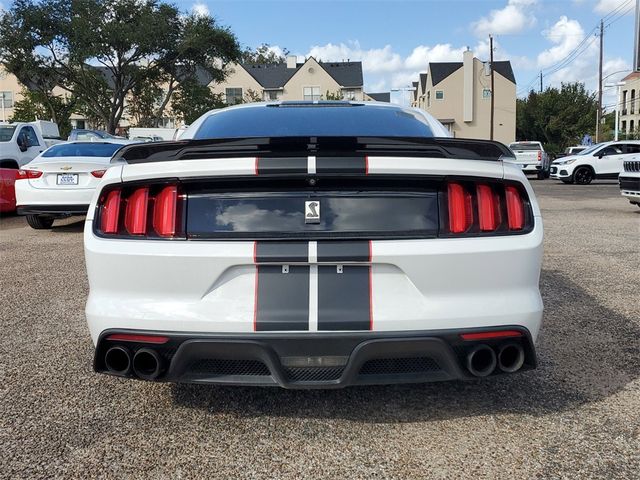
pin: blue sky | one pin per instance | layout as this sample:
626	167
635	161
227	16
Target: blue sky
396	39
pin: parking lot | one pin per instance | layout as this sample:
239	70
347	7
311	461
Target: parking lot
577	415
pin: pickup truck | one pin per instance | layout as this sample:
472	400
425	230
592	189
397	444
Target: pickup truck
532	158
22	142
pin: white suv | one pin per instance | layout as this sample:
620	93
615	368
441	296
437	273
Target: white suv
630	180
603	160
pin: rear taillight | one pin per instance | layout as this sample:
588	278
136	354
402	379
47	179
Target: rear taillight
479	208
22	174
141	212
460	209
539	155
98	173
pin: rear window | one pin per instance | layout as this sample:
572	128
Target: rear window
6	133
314	120
82	150
524	146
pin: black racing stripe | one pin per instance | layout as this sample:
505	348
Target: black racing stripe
343	298
339	251
282	298
341	165
282	252
276	165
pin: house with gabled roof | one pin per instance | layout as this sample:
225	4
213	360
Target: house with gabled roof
292	80
458	94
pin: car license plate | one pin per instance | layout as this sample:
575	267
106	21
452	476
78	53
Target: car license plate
67	179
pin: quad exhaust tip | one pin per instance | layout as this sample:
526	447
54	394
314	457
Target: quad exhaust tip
118	360
510	357
147	364
481	361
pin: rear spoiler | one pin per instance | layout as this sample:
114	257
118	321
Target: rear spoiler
439	147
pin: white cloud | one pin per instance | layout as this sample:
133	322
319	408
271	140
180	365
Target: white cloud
566	34
517	15
605	7
200	9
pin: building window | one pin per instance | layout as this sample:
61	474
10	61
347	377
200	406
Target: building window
624	126
631	129
439	94
486	93
271	95
6	99
624	102
233	95
633	101
311	93
349	93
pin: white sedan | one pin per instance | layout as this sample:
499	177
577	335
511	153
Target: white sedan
314	245
60	182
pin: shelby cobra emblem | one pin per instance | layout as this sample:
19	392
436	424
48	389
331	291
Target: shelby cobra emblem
312	212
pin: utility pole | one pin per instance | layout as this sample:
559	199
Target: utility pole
540	81
599	115
493	97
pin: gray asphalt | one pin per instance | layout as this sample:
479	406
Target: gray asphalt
576	416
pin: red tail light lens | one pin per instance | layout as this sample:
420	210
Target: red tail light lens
164	211
539	155
460	208
135	217
484	207
98	173
22	174
488	208
515	208
490	335
110	212
145	211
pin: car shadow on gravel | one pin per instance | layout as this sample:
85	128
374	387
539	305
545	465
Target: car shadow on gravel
586	353
72	225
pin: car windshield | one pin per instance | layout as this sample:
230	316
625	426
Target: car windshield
82	150
308	120
6	132
591	149
524	146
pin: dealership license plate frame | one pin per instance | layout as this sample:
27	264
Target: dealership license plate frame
73	176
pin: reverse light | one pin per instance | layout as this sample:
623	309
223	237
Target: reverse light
22	174
98	173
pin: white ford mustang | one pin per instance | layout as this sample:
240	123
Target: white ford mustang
314	245
61	181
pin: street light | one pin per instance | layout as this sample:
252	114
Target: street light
610	85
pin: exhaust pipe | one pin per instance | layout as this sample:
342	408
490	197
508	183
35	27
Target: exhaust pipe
481	361
118	360
510	357
147	364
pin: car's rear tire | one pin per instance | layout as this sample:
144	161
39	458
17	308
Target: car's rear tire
39	222
583	176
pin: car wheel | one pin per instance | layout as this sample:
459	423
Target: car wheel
583	176
39	222
540	175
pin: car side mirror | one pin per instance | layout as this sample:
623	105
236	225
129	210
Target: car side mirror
22	143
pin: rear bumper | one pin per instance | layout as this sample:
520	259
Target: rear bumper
312	360
64	199
53	209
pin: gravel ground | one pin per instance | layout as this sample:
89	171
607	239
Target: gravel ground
577	416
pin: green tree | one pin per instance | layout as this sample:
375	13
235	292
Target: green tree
334	95
103	51
264	55
191	100
36	105
558	117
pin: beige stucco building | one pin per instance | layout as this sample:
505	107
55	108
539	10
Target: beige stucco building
458	94
10	90
630	104
292	80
